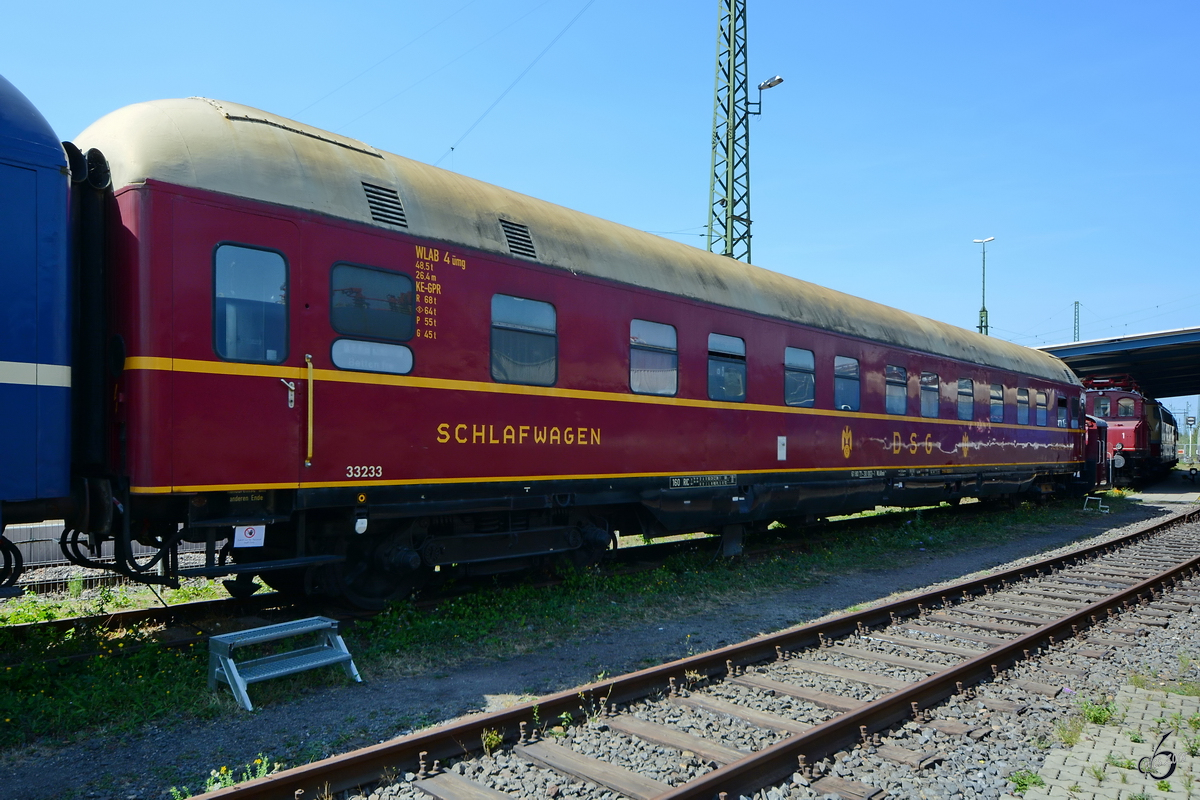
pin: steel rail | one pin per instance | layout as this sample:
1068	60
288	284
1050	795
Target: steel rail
367	766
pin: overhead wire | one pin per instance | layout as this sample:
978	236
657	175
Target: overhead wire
517	80
443	67
395	52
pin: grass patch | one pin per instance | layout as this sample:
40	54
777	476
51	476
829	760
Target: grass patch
71	699
1022	779
78	603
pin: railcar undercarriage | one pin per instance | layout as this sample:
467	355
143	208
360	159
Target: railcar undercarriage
373	545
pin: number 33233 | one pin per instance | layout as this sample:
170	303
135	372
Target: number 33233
364	472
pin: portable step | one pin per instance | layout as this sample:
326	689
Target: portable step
330	651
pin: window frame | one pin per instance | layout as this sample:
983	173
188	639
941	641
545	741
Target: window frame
653	349
993	405
856	380
287	315
959	400
1107	407
492	338
935	390
812	402
1023	394
1042	414
351	335
1126	402
727	358
889	382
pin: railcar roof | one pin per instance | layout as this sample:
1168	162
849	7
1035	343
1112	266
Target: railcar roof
237	150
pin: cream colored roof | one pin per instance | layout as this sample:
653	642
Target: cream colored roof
238	150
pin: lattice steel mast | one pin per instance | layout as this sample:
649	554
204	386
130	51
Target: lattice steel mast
729	179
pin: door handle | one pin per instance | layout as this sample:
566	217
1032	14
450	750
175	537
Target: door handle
291	387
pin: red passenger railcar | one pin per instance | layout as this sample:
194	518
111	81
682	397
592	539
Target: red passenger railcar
1142	434
387	368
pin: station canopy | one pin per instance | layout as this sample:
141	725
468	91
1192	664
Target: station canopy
1163	364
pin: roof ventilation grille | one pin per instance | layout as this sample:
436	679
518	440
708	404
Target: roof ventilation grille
520	243
386	208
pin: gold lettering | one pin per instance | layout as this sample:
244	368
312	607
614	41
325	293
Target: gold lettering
539	435
554	436
568	436
492	435
443	433
510	436
896	442
912	443
478	434
595	436
581	436
457	438
524	431
928	443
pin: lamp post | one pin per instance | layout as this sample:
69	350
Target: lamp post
983	320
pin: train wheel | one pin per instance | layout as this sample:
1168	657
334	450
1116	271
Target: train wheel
378	570
11	563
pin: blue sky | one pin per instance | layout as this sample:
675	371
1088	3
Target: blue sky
903	131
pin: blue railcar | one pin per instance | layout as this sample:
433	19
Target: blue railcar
35	305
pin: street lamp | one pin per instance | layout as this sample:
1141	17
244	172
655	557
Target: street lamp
769	83
983	320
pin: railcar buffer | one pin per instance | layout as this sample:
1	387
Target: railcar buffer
331	650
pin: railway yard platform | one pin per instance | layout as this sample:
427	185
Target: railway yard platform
1175	488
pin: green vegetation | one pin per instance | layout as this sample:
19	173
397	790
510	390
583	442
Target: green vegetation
224	777
1121	763
43	608
45	692
1022	779
1097	713
1069	730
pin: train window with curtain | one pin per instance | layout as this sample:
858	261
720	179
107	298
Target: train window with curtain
997	403
726	368
799	377
250	311
524	341
371	303
846	389
1022	406
1102	407
966	398
1076	412
653	358
1041	409
930	394
896	389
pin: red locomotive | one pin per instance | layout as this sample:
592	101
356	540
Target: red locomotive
343	370
1142	433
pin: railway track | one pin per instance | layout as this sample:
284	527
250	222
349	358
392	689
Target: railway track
773	710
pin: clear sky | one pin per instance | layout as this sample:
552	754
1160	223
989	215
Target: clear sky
903	130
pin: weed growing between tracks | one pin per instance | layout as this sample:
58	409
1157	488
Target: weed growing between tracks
67	699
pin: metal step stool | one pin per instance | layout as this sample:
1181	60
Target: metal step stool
222	667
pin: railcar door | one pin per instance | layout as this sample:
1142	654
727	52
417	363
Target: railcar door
237	377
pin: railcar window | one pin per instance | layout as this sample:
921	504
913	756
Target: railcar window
653	358
250	312
1022	406
845	383
524	341
1075	412
966	398
997	403
1062	410
896	388
1125	407
1102	407
930	394
726	368
1041	409
799	377
373	303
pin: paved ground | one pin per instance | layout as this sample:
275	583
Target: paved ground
1104	765
1174	489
